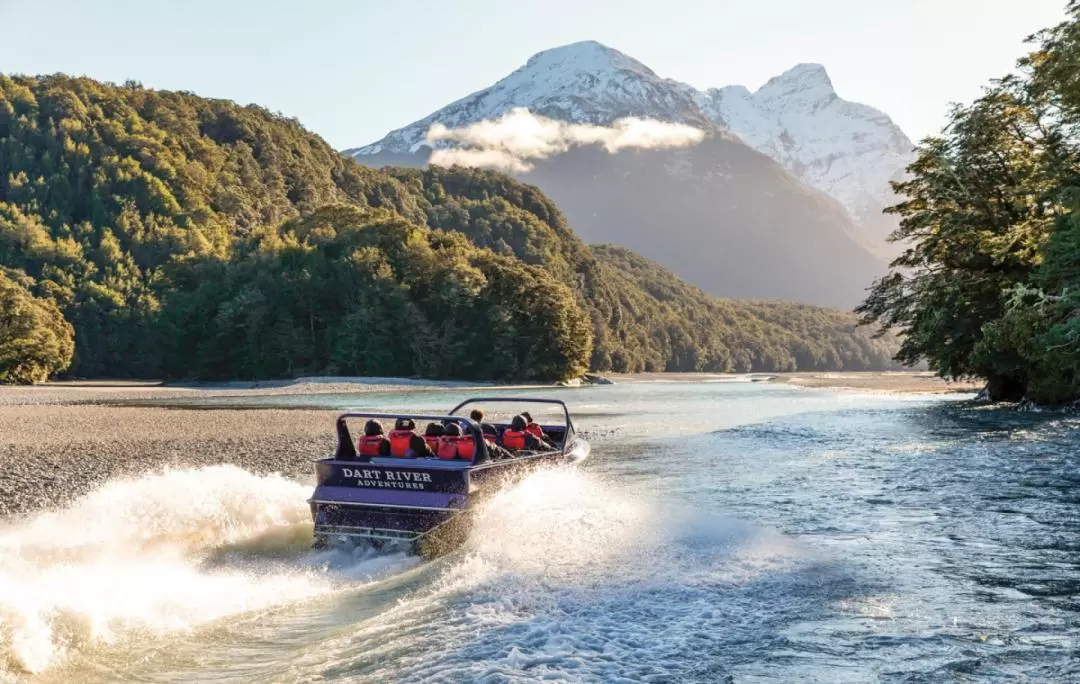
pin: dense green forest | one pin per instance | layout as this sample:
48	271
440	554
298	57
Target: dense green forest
644	318
679	327
161	234
35	340
990	285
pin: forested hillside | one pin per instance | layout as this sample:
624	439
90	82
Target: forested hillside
187	237
735	213
990	286
644	317
681	328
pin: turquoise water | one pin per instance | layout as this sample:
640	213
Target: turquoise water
718	532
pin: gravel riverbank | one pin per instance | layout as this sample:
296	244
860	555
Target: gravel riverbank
892	382
61	440
51	453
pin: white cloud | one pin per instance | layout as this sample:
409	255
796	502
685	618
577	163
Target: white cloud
488	159
511	141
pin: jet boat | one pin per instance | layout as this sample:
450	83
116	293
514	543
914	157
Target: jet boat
425	504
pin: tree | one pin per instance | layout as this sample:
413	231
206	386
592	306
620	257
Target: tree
987	287
35	340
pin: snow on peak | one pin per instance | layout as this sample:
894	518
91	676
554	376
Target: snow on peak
589	56
584	82
848	150
805	85
806	74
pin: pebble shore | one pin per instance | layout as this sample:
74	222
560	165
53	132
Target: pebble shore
59	441
50	453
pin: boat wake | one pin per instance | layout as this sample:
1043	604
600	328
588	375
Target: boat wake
564	573
160	554
567	573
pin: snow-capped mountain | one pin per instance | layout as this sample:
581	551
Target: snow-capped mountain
847	150
581	83
743	212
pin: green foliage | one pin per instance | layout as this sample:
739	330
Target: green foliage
643	317
182	236
678	327
988	287
35	340
126	179
355	291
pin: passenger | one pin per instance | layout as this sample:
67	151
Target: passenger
405	443
478	417
373	442
535	430
432	434
532	427
456	444
517	438
494	450
491	438
451	444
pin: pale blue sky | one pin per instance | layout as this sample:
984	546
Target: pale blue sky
352	70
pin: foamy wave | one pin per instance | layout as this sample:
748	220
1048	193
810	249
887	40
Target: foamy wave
132	556
567	574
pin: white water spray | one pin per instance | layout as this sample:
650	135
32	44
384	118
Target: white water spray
136	556
566	571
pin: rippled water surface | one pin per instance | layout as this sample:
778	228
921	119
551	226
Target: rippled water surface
719	532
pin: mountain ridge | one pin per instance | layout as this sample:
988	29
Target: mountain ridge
846	149
563	83
190	237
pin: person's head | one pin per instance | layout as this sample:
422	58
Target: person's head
372	428
527	416
518	423
434	430
404	424
453	430
477	415
488	429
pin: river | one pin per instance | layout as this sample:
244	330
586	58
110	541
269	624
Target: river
719	532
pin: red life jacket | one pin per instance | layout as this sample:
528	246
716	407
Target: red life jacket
535	430
401	443
448	448
466	448
432	442
452	447
514	440
368	445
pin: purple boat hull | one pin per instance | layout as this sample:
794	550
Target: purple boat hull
408	500
426	502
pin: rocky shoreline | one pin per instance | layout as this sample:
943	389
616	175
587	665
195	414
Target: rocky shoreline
51	454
